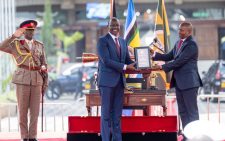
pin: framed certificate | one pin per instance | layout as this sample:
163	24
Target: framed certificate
142	57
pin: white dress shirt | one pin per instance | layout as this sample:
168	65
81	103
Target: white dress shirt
113	37
29	43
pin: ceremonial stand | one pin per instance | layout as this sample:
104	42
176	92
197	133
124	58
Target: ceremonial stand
135	98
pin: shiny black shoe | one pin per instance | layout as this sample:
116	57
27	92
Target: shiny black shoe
24	140
33	139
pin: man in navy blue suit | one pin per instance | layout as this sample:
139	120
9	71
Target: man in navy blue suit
185	78
113	60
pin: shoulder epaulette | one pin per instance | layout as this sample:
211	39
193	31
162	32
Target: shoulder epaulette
18	40
39	42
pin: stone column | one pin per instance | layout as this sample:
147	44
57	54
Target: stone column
69	5
91	39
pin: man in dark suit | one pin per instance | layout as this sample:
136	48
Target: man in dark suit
113	60
185	78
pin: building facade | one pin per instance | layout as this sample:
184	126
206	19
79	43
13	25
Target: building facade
78	15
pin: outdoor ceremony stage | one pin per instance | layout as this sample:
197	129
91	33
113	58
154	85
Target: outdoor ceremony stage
143	128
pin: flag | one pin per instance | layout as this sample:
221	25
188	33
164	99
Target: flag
162	31
112	9
131	34
162	34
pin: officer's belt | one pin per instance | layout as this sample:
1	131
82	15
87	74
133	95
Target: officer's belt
31	68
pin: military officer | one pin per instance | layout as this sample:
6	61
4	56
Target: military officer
29	56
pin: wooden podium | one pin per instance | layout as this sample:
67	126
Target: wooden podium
140	99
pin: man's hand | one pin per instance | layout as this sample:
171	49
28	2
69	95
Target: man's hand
19	32
157	67
145	75
44	69
151	52
44	89
131	66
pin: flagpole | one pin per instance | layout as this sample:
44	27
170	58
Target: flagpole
111	9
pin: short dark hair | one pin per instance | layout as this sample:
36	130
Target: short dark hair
112	19
187	24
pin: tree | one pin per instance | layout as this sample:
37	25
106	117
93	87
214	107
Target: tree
46	31
67	40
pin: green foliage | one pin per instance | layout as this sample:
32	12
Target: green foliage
6	82
46	32
8	97
67	40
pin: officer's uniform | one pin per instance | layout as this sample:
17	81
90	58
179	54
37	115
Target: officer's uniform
28	79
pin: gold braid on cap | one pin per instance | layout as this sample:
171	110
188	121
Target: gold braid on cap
21	54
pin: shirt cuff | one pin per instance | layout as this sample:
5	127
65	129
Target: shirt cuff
124	67
153	55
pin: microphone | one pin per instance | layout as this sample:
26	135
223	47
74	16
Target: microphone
156	43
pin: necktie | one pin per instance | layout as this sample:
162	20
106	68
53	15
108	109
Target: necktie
30	44
179	44
117	46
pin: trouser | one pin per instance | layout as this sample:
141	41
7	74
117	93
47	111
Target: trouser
111	111
28	98
187	105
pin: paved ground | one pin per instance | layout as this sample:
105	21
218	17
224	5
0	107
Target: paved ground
46	136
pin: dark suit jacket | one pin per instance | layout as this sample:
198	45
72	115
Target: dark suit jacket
183	63
110	67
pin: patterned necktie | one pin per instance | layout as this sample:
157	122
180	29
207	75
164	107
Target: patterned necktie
117	46
179	44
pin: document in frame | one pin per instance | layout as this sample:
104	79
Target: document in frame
142	57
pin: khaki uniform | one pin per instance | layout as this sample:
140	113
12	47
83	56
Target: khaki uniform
29	82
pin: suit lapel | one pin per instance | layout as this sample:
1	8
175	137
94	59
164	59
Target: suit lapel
182	46
26	46
34	47
121	49
112	44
